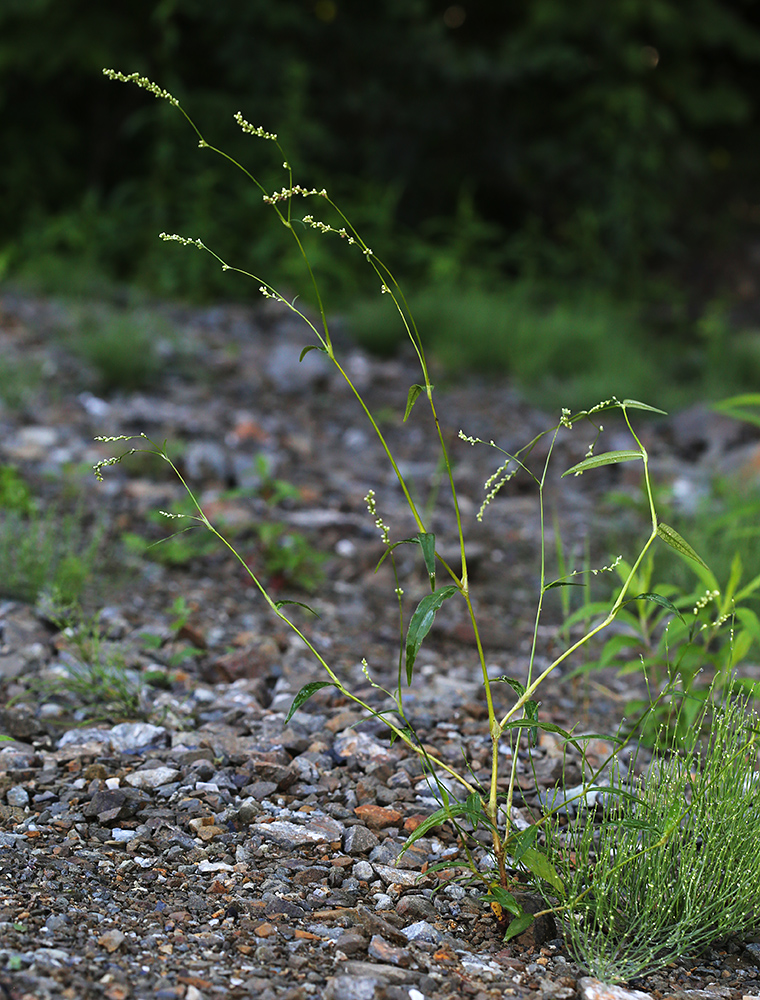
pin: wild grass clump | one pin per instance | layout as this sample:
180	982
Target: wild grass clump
547	340
122	348
673	865
45	551
468	802
91	676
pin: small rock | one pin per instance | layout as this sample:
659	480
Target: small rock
109	805
388	973
351	988
152	778
376	924
365	748
481	968
81	737
17	796
214	866
363	870
378	817
543	928
395	876
134	736
56	922
111	941
122	836
594	989
288	834
359	840
351	942
421	930
380	949
416	907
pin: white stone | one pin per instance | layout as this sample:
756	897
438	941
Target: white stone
595	989
153	778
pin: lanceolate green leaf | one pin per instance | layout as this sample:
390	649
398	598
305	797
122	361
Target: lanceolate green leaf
427	544
438	818
518	925
421	623
516	686
606	458
734	407
304	694
634	404
411	399
525	840
540	865
673	539
531	713
298	604
658	599
564	583
310	347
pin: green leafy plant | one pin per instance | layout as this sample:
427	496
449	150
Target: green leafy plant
546	339
15	493
672	865
44	551
121	346
674	637
514	853
20	380
281	554
92	674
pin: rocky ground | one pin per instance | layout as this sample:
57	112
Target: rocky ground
164	833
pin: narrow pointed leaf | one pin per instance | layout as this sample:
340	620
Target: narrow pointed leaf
734	407
606	458
304	694
540	865
401	541
516	686
438	818
421	623
634	404
531	713
298	604
524	841
658	599
564	583
427	544
310	347
671	537
518	925
411	399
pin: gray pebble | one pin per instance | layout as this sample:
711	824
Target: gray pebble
17	796
363	871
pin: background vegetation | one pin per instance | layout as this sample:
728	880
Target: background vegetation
520	151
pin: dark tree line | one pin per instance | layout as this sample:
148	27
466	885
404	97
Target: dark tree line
589	138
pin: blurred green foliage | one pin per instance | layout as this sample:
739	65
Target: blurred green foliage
568	345
535	138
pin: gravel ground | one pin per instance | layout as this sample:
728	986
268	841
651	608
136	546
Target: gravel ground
196	846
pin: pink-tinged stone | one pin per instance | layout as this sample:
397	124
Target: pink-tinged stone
594	989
